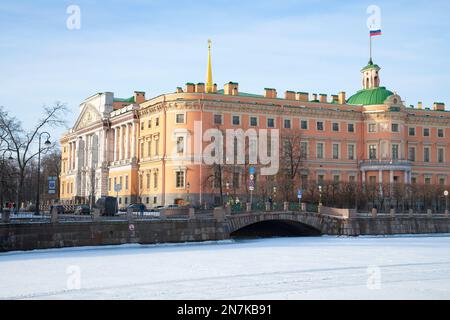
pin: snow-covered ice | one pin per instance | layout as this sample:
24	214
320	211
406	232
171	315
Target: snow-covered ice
407	267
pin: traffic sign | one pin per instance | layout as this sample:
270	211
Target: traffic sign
299	194
252	177
117	187
251	170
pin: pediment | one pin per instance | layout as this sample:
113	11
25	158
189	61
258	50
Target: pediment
88	116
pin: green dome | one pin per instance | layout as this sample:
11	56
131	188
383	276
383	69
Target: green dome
368	97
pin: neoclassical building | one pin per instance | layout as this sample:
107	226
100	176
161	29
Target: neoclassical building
143	150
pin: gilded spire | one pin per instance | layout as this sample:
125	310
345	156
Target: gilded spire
209	79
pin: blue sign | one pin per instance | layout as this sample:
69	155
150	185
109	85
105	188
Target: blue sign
251	170
299	193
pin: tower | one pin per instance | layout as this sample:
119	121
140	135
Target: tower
209	79
371	78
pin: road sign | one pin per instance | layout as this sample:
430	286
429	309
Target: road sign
251	170
299	194
52	185
131	227
117	187
252	177
251	185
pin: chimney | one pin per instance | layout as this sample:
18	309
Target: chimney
231	88
314	97
190	87
323	98
419	105
179	90
200	87
139	96
302	96
270	93
215	88
334	98
439	106
289	95
341	98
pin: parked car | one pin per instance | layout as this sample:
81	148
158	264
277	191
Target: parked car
60	209
137	207
83	209
173	206
107	206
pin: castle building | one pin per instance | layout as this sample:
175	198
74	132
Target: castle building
142	150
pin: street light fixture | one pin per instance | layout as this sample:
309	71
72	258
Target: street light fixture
446	200
227	186
1	178
320	196
188	186
47	144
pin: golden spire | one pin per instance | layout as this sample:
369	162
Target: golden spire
209	79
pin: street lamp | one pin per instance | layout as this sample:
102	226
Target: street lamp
227	186
188	186
2	177
47	144
446	200
320	196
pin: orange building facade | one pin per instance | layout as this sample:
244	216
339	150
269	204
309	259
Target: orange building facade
143	150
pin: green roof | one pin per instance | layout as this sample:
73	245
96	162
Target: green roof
129	100
368	97
243	94
370	65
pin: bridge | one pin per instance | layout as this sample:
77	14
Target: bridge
220	225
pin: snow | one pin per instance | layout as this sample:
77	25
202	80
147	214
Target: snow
402	267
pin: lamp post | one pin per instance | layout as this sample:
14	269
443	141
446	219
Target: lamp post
446	201
47	143
320	196
2	177
188	186
227	186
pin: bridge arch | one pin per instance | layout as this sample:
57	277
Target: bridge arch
279	224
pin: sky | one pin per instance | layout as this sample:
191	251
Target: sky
154	46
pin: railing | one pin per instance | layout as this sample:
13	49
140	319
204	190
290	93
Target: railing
374	162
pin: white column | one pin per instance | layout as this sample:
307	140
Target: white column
133	141
391	176
69	158
127	141
406	177
120	143
115	144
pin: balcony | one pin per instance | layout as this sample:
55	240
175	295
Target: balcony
385	164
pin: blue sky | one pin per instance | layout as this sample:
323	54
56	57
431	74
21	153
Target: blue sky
155	46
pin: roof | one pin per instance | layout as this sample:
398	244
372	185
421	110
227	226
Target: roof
370	65
367	97
243	94
129	100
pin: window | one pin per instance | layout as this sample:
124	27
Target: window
304	125
352	179
126	182
236	180
180	179
442	181
351	152
372	152
109	184
156	147
236	120
115	181
372	127
412	131
413	180
142	125
335	151
141	181
147	200
155	200
120	182
149	148
412	154
303	149
394	127
351	127
440	133
142	150
320	179
180	118
270	123
427	180
426	154
126	200
155	180
320	150
395	152
180	144
148	180
426	132
149	125
157	122
441	155
336	178
287	123
253	121
217	119
319	125
372	180
335	126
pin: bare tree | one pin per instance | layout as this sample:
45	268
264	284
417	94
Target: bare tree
22	143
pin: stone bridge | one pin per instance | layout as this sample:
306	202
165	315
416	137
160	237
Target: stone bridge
287	223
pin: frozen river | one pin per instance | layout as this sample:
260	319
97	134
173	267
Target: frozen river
284	268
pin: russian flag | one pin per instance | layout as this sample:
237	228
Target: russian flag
374	33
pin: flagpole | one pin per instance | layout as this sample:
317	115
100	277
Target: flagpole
370	47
